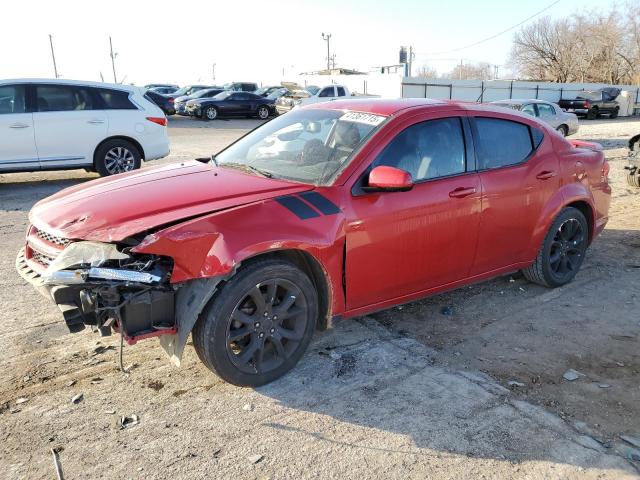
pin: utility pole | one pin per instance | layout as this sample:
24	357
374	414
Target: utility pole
213	71
53	56
410	60
113	62
327	38
460	71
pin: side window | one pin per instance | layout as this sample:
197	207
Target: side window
341	92
62	98
326	92
529	109
12	99
502	142
116	100
427	150
546	111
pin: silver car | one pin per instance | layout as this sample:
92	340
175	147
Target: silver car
564	122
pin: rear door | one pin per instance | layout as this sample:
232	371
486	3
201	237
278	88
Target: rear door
68	125
17	141
519	173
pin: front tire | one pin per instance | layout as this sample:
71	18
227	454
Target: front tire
263	112
210	113
258	326
562	251
116	156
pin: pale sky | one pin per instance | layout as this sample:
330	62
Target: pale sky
253	41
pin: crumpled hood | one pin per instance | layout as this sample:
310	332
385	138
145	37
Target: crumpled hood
114	208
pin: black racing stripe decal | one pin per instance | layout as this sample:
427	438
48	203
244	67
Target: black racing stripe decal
321	202
298	207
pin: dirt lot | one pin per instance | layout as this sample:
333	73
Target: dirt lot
410	392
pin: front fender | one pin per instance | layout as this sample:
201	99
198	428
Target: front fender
215	244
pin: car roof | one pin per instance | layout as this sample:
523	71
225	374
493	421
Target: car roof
381	106
61	81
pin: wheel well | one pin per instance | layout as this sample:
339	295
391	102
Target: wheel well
120	137
309	265
587	211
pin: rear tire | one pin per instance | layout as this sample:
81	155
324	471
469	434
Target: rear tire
116	156
239	335
563	130
592	114
614	114
562	251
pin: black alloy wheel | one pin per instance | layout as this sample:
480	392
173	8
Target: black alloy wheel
562	251
259	324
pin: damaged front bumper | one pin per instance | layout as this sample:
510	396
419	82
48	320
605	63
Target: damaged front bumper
98	286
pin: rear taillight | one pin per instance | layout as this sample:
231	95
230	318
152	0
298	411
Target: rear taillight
605	169
171	100
159	120
586	104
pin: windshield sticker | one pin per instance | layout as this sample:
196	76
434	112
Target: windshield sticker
366	118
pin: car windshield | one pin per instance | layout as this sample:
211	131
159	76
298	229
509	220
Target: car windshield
277	94
309	146
181	91
222	95
203	93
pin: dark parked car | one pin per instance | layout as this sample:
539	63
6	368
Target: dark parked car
234	104
164	102
593	103
180	103
241	86
189	90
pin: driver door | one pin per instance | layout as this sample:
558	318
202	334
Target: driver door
403	243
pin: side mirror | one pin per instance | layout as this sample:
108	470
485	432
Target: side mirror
389	179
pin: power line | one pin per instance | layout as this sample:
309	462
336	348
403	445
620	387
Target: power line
500	33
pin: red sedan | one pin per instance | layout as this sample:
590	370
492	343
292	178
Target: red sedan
332	210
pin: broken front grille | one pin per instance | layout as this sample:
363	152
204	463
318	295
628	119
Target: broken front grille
47	237
43	248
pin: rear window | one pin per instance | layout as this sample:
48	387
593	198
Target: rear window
116	100
503	142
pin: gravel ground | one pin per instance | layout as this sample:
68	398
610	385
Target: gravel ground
405	393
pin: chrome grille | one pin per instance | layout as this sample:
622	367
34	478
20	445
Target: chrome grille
47	237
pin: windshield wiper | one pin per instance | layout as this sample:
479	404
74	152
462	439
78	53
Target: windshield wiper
249	168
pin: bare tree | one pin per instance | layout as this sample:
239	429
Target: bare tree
426	71
471	71
594	46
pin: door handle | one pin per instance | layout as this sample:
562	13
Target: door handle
95	121
546	175
19	125
462	192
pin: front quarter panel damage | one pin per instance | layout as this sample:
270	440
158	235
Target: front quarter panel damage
214	245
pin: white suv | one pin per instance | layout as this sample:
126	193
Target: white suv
65	124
